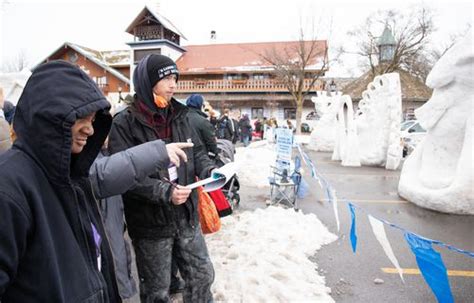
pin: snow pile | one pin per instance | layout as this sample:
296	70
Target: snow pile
262	256
254	163
302	139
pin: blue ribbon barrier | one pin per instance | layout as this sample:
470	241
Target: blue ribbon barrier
429	261
353	228
431	266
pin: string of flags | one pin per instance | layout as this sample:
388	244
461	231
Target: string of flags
429	260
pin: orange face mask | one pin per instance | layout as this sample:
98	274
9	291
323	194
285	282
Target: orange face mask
160	102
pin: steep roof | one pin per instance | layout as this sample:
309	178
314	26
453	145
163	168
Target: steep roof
102	59
386	38
412	88
160	18
240	57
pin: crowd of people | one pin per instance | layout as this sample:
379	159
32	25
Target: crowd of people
235	127
73	178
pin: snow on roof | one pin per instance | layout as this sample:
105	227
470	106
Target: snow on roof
98	58
116	57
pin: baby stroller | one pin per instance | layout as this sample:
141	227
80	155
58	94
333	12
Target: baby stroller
226	155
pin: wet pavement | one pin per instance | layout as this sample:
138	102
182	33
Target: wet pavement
351	276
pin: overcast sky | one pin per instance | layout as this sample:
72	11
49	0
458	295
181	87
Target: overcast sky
37	28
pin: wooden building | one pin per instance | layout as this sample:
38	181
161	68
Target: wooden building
414	92
110	70
228	75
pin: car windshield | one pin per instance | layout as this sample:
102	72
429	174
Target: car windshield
406	125
417	128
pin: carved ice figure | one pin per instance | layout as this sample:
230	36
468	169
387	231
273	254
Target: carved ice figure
439	172
350	147
346	144
323	136
378	122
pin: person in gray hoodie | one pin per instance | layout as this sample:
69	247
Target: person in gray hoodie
112	176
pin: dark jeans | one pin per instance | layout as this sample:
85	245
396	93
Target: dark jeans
154	267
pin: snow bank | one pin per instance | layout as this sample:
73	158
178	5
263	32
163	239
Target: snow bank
254	163
262	256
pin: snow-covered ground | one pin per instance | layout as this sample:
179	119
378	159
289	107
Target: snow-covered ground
262	255
255	161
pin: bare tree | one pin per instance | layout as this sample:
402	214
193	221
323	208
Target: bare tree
17	63
299	67
438	52
411	32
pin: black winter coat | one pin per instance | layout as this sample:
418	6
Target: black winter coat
47	248
148	208
204	128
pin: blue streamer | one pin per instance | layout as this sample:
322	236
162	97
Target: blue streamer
429	261
431	266
327	186
303	188
353	228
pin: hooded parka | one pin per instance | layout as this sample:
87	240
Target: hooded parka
48	212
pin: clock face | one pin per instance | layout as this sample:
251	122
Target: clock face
73	57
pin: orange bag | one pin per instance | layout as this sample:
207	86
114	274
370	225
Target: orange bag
208	216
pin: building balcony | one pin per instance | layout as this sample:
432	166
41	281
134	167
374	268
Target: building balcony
255	86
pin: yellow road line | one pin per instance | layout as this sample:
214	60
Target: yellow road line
372	201
416	271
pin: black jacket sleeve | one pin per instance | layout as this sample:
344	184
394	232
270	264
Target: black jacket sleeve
202	163
14	228
150	190
208	136
124	170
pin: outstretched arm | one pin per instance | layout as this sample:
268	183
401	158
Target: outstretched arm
122	171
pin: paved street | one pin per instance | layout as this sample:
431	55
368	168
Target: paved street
351	276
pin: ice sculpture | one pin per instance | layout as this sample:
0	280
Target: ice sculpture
324	133
372	135
378	122
439	172
346	147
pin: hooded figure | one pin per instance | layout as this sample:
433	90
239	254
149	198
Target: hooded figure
203	127
53	246
161	213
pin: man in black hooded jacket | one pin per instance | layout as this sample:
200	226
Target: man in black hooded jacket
161	212
53	246
204	129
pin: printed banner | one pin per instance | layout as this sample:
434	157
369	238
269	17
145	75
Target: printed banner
284	148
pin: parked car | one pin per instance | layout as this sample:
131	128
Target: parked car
411	134
305	127
407	123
